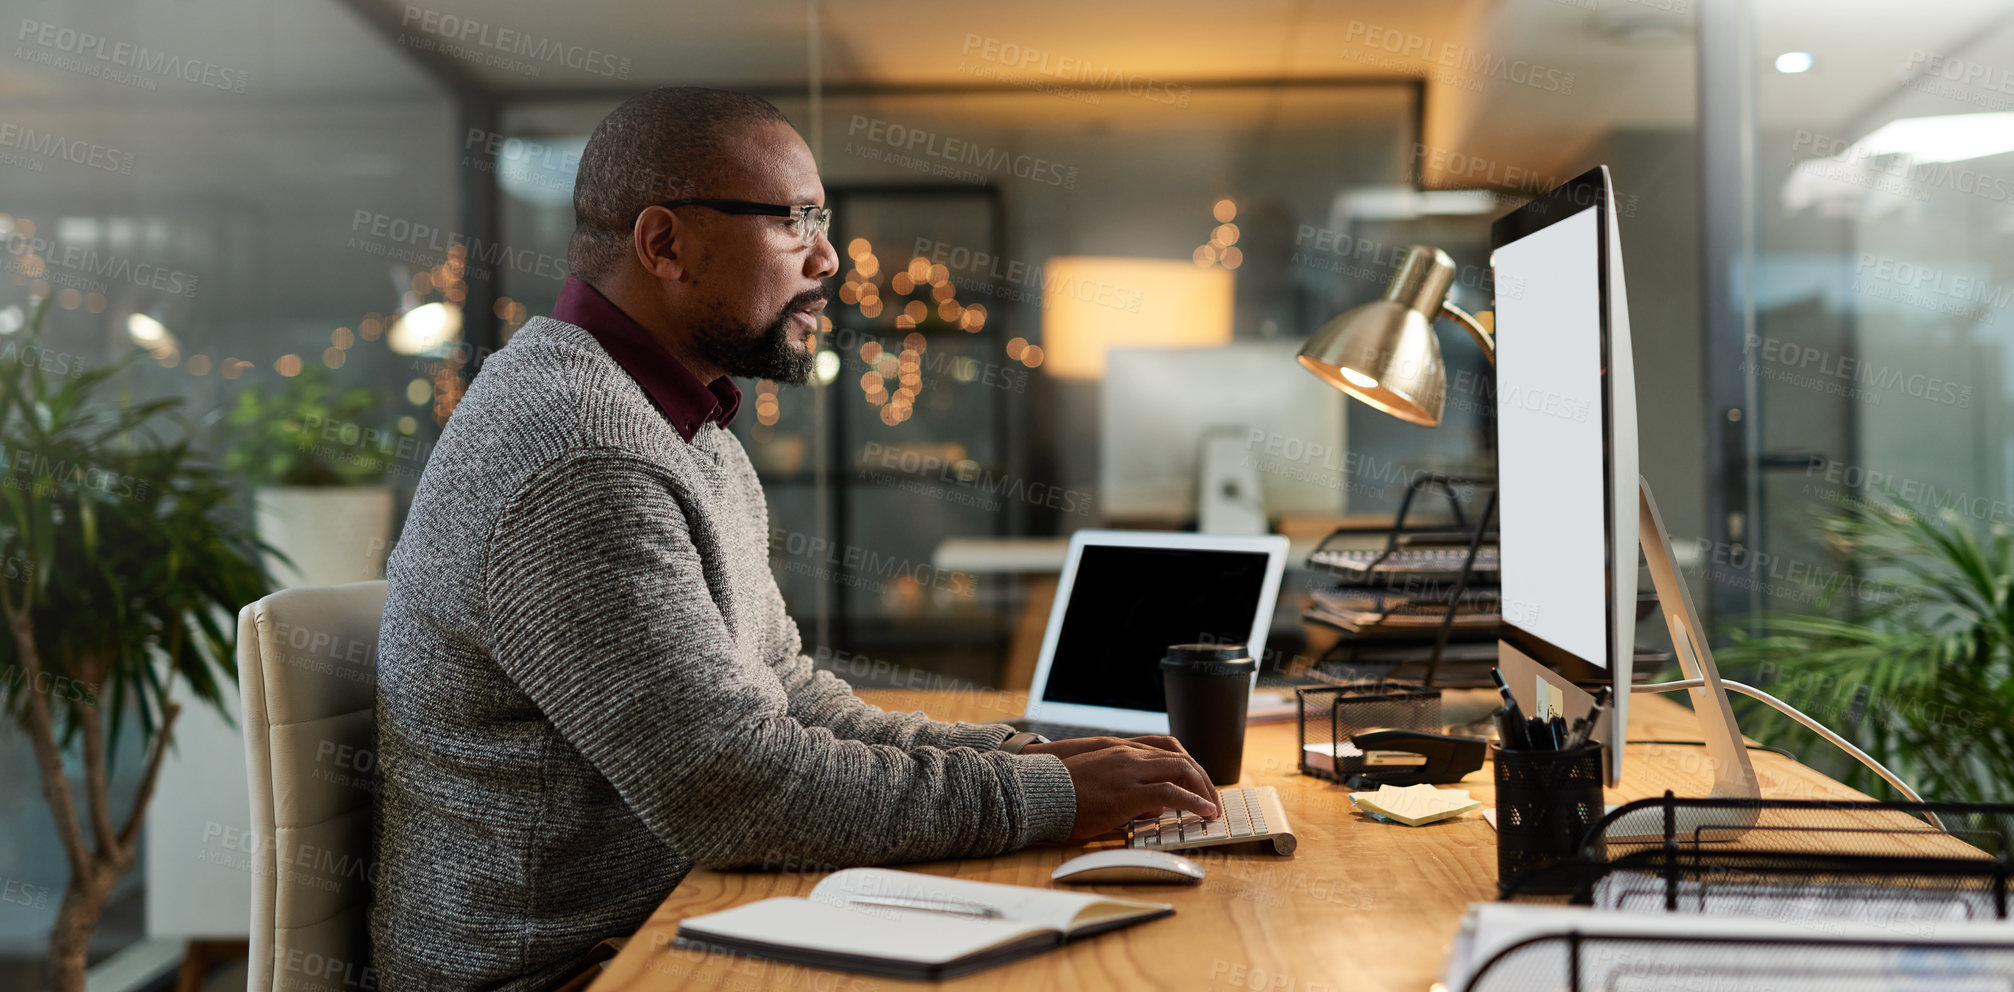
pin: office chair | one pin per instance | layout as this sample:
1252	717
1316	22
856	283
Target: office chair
307	672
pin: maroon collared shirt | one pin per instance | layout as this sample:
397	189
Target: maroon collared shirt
685	401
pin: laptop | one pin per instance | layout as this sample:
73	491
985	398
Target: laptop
1124	597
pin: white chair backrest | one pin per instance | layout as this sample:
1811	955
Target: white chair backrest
307	673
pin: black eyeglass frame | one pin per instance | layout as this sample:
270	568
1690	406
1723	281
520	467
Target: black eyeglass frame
810	220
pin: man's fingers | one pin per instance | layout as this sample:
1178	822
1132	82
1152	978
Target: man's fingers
1163	743
1182	770
1173	746
1173	796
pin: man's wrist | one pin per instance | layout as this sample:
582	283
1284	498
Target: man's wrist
1021	739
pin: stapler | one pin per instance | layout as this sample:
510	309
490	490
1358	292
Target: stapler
1413	757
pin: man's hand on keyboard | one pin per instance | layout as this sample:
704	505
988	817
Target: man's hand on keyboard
1079	745
1123	782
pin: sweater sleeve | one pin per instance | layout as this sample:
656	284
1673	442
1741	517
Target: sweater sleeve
823	699
600	610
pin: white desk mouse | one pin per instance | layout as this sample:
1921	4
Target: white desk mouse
1128	864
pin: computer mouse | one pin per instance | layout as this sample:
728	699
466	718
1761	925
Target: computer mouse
1128	864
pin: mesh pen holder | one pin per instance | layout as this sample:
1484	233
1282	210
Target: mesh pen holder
1546	802
1331	714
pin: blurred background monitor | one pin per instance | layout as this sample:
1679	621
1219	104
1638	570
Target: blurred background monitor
1158	404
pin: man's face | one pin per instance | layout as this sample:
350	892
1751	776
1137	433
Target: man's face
754	289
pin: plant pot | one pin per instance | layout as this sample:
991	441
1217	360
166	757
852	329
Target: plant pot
332	534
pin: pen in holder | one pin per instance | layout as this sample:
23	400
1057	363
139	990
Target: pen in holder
1546	801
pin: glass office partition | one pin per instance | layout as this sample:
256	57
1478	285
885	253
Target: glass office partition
1884	206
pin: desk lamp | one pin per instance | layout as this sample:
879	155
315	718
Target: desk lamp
1385	353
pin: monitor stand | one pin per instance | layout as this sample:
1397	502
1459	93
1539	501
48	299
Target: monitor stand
1733	774
1726	752
1229	499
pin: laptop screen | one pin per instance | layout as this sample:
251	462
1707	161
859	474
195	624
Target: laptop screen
1128	604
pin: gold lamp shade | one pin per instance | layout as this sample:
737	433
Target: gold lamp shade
1385	353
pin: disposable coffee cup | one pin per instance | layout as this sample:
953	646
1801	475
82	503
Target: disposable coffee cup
1209	688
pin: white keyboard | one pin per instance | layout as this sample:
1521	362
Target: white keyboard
1250	814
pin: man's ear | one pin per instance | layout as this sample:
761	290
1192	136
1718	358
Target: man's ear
659	242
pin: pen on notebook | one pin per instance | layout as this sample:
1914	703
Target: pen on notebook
971	909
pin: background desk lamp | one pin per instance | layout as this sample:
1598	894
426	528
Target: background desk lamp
1385	353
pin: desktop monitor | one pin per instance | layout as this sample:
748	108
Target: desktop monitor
1566	456
1158	405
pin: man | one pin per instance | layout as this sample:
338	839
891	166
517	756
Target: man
587	682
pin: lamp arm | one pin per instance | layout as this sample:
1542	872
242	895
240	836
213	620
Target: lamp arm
1474	327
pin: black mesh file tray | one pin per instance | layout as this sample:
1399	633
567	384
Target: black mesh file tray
1331	714
1581	962
1886	864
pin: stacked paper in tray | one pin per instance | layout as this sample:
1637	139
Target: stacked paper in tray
1415	805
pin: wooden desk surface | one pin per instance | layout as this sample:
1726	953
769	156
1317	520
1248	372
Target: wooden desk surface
1361	905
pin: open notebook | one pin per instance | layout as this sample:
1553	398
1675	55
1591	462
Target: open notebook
911	925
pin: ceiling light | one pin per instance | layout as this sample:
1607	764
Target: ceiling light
1944	138
1793	62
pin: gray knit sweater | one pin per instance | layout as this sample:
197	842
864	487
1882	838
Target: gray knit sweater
588	684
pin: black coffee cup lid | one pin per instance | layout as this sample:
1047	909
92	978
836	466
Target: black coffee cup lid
1207	652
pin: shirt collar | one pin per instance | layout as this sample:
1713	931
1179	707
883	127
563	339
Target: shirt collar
678	394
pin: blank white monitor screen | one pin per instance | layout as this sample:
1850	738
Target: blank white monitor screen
1549	438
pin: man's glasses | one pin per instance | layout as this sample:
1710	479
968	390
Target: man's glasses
810	222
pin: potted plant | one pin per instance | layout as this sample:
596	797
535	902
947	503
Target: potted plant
124	564
318	457
1919	672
